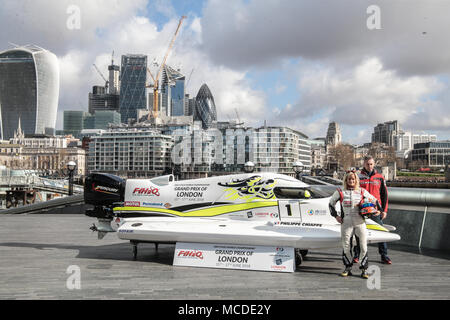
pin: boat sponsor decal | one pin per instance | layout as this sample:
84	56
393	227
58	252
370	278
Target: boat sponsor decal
125	231
150	191
280	257
205	212
317	212
250	189
298	224
234	255
194	206
307	224
261	214
132	203
167	205
321	212
152	204
274	215
249	214
193	254
104	189
243	257
190	192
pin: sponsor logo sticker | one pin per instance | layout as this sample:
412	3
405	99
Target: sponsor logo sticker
150	191
132	204
193	254
104	189
151	204
261	214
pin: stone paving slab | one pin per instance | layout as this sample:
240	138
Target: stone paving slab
36	251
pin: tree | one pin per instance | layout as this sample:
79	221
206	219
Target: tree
343	155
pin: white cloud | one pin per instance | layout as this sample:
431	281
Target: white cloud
413	38
367	94
346	74
120	26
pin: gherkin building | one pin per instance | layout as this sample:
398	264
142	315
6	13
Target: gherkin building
205	108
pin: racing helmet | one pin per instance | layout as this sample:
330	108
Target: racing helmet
366	209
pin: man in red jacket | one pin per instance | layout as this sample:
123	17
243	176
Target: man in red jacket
374	182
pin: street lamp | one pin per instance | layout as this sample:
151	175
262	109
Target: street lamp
71	167
249	167
298	168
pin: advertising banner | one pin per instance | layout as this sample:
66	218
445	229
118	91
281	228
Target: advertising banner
262	258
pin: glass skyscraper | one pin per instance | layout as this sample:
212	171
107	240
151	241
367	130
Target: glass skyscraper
205	108
29	90
172	91
132	86
73	121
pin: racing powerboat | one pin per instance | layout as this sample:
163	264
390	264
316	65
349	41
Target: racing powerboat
265	209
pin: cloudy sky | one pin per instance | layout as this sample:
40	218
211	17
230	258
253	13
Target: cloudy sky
298	63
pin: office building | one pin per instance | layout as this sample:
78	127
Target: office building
432	154
132	86
130	152
29	90
273	149
114	79
385	132
74	121
172	92
103	119
405	141
77	121
100	100
205	107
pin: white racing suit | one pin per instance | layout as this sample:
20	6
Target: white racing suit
352	222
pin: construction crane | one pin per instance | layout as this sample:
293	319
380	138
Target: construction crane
189	78
239	118
155	84
106	81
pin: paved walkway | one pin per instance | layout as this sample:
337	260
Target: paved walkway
37	250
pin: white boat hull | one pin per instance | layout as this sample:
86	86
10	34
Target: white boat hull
225	231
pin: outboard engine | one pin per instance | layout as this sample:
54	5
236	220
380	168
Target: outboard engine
103	190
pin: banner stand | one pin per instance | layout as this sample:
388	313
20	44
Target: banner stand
230	256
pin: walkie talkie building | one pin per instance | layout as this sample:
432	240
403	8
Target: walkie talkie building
29	90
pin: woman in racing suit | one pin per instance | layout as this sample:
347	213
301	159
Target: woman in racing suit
351	220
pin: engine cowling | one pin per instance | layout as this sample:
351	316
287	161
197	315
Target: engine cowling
102	189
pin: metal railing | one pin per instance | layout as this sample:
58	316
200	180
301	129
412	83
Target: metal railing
47	205
36	182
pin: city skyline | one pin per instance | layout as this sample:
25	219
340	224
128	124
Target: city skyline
354	75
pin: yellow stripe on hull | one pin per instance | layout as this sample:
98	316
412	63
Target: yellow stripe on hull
207	212
376	227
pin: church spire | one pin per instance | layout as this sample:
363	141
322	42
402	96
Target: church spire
19	134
